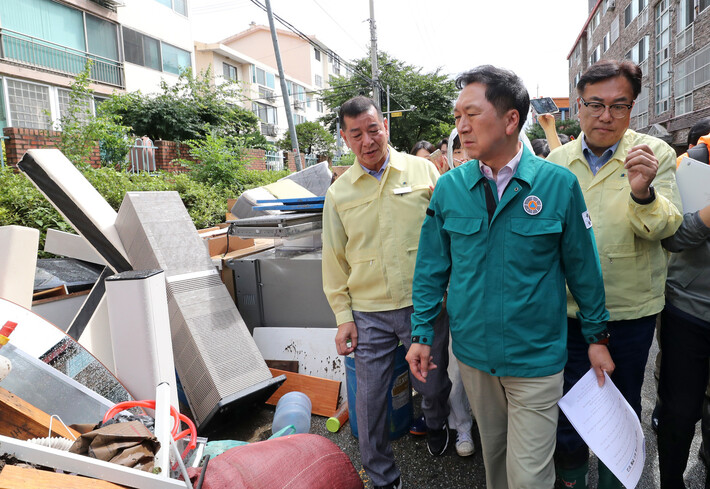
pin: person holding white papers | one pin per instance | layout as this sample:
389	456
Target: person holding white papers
685	342
628	181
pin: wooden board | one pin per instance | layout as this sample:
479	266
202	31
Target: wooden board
287	365
23	421
323	393
13	477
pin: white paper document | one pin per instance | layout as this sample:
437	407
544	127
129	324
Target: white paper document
693	178
606	423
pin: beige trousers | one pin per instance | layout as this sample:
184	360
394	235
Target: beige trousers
517	420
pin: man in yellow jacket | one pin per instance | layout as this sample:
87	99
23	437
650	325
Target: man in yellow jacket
628	182
372	218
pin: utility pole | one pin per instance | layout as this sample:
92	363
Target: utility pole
284	90
389	122
373	56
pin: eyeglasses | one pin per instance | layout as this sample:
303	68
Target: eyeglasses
617	111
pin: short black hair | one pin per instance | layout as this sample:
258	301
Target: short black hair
564	138
540	147
422	145
457	143
504	89
444	141
356	106
699	129
608	68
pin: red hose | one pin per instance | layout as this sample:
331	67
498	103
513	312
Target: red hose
177	417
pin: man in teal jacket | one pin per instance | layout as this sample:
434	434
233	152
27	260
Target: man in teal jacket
503	232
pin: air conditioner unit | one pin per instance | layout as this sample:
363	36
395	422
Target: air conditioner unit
270	130
271	97
299	104
611	5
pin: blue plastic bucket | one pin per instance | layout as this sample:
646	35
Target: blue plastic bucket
399	395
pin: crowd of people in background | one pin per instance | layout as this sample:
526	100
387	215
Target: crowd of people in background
508	270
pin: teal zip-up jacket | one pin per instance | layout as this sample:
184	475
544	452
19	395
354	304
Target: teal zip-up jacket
506	280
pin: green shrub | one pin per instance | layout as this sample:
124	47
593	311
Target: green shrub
23	205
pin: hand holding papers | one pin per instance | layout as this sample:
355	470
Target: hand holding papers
606	422
693	178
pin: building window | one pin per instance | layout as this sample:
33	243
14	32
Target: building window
595	21
639	113
179	6
262	77
265	113
316	52
614	29
318	81
596	55
606	43
319	105
230	72
690	74
298	119
28	104
141	49
663	62
633	10
336	66
175	59
64	98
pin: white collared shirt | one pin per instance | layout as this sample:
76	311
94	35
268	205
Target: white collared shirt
505	174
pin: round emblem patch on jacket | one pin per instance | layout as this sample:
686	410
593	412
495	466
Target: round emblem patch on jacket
532	205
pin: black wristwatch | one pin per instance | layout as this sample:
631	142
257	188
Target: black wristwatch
601	338
648	199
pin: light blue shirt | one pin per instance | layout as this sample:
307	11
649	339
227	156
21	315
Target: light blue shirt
378	173
596	162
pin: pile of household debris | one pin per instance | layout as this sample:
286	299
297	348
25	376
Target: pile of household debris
147	315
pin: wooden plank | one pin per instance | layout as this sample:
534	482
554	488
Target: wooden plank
13	477
23	421
287	365
322	392
259	245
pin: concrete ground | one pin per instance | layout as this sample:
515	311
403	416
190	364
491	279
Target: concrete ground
421	471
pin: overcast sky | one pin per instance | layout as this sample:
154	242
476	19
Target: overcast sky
530	37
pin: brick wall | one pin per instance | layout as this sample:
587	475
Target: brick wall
166	152
21	139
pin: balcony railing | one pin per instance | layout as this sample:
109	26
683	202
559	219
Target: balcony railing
30	51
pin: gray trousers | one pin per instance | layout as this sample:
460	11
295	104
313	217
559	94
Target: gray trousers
378	334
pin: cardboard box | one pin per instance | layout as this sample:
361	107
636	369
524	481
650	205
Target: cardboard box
218	243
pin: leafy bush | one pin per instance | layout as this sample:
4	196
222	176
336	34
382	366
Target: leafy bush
347	159
568	126
81	130
23	205
187	110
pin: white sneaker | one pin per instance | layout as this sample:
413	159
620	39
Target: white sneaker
464	444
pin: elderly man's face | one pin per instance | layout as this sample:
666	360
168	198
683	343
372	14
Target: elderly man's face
366	135
603	131
481	129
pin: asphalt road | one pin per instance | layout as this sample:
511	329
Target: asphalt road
422	471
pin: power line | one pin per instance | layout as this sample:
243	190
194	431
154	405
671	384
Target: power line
305	37
341	27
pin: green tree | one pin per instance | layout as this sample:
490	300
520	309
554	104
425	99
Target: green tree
81	130
312	139
188	110
568	126
432	95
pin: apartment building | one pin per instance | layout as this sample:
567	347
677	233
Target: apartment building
670	40
249	57
133	44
